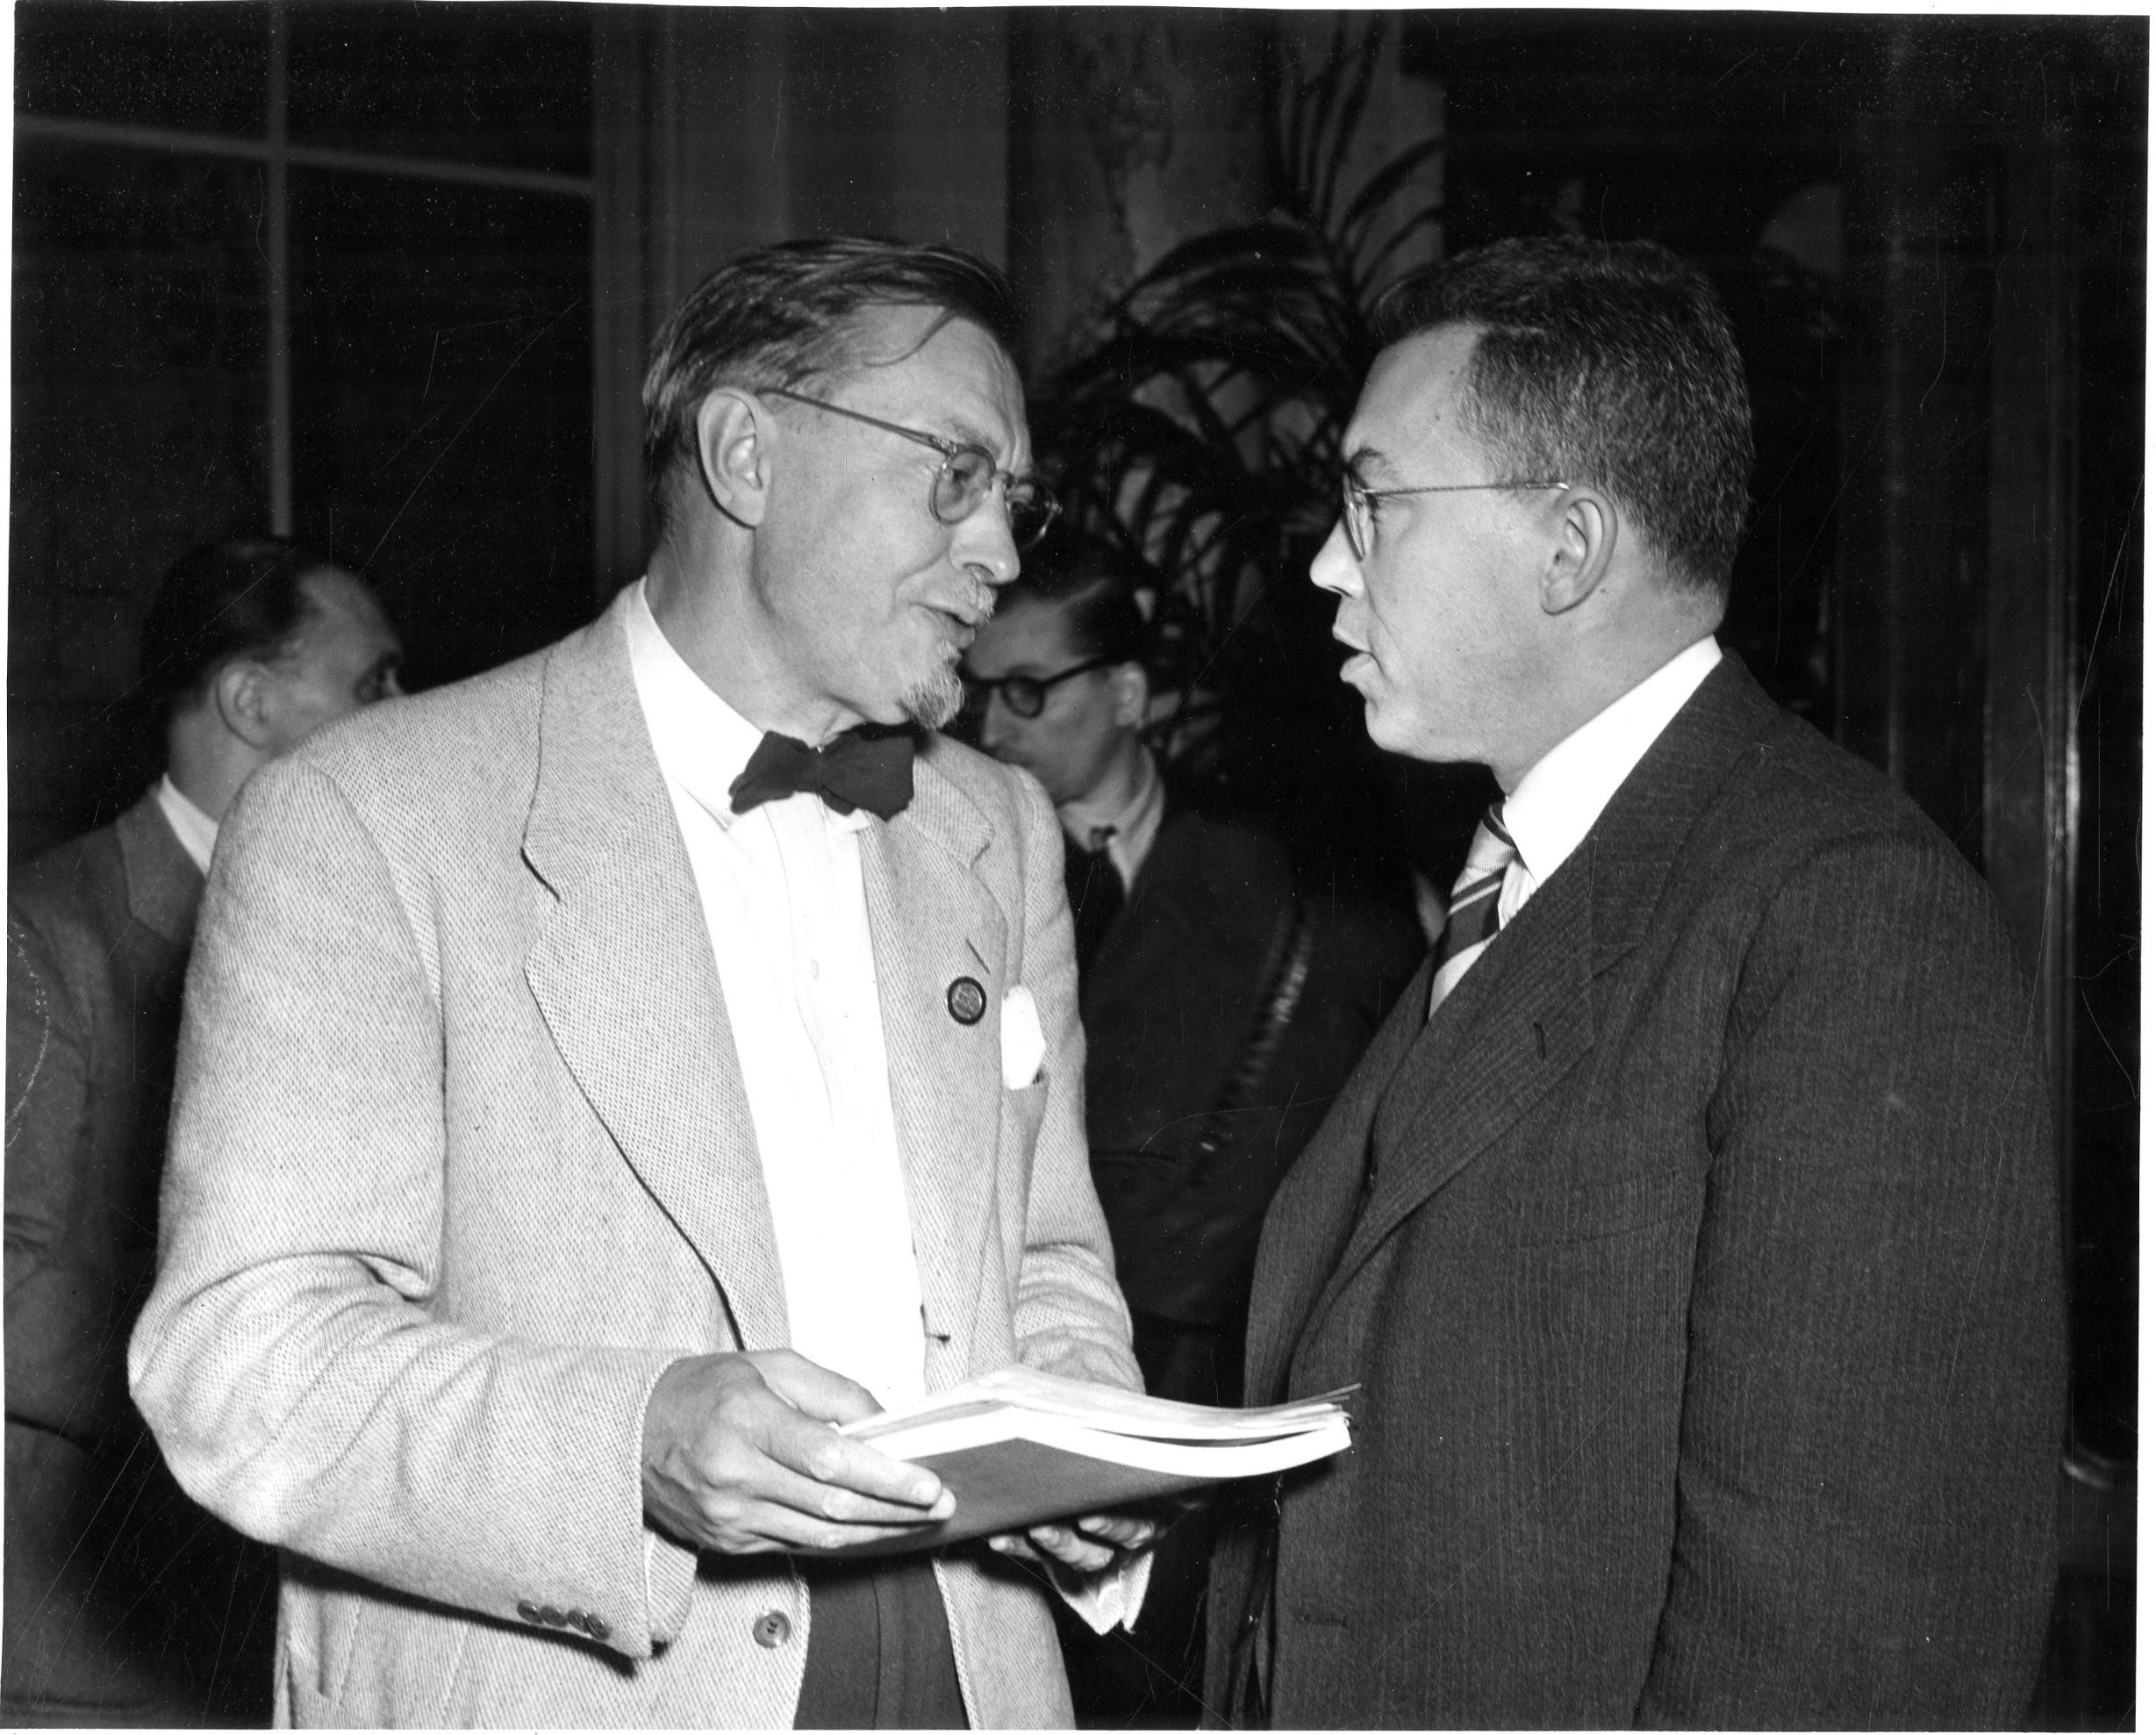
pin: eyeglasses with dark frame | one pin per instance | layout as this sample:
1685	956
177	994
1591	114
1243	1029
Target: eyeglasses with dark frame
966	477
1023	694
1361	522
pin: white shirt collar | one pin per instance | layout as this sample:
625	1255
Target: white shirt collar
1565	791
1134	823
702	743
196	829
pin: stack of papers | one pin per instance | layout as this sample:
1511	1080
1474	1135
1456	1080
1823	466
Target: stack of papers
1020	1447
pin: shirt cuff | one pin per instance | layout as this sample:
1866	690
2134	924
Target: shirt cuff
1109	1598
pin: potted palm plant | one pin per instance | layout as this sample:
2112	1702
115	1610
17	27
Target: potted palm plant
1199	430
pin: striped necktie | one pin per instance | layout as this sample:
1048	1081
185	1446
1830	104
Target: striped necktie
1470	918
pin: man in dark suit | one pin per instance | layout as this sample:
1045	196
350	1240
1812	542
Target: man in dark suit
125	1603
1690	1226
1223	1006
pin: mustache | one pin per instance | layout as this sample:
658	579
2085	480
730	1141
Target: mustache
977	601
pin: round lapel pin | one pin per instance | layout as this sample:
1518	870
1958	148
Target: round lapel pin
967	1000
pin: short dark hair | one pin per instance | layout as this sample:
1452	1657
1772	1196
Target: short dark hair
1601	363
1094	586
779	316
239	598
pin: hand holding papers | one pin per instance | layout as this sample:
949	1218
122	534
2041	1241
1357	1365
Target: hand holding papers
737	1457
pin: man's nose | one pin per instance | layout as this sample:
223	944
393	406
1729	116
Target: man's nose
1335	567
998	726
982	542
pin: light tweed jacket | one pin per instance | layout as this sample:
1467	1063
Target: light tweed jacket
461	1161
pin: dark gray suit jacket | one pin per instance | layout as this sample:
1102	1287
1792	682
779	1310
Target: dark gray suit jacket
1700	1265
125	1601
1169	1004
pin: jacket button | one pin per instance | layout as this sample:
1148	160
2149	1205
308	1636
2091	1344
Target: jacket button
529	1611
574	1618
552	1617
597	1628
772	1630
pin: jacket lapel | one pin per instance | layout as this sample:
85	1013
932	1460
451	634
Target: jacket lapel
1525	1016
931	921
164	887
623	973
1315	1209
1518	1022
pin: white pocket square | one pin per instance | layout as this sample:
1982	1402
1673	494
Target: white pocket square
1024	1046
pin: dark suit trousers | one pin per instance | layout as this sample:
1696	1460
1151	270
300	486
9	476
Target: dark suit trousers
879	1654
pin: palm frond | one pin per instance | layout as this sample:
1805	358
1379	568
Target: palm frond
1199	430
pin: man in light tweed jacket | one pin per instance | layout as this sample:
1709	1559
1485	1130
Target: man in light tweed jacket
592	1087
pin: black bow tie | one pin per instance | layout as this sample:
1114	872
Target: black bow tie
870	767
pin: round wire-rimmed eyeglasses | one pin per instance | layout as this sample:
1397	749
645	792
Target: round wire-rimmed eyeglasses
1360	522
966	477
1023	694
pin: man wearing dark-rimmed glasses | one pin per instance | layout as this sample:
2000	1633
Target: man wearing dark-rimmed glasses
1690	1225
640	1059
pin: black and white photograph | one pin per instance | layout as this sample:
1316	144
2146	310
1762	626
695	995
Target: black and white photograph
1106	867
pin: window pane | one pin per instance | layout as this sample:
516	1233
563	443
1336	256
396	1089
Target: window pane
501	85
441	407
137	407
158	63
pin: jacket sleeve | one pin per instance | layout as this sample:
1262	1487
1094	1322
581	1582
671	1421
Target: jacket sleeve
63	1310
1069	1317
289	1359
1873	1395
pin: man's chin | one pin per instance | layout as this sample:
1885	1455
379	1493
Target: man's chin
1382	723
933	701
1416	738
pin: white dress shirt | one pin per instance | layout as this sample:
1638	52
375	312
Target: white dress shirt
1132	825
1565	791
789	920
196	829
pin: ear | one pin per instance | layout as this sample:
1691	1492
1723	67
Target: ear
1586	541
734	438
239	692
1132	690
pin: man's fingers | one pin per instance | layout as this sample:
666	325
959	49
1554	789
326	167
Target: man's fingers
813	1389
765	1529
731	1463
1123	1530
821	1501
814	1453
1087	1543
1068	1546
762	1505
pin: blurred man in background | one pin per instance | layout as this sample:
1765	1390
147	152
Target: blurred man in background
125	1603
1222	1007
